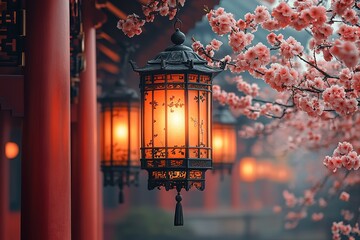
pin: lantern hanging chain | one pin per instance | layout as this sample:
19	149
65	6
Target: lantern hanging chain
177	24
127	49
177	19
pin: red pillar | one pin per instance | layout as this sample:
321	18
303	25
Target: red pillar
166	199
45	194
250	188
211	191
235	187
85	168
4	175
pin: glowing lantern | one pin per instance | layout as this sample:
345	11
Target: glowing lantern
248	169
224	140
11	150
120	137
176	103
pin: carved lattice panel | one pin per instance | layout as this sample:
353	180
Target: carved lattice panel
12	32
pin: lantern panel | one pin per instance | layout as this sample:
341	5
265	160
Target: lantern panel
204	124
224	143
175	123
194	136
120	134
134	135
158	123
176	129
147	125
106	135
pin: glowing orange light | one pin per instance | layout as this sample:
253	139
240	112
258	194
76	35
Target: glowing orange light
281	173
248	169
11	150
264	169
224	143
121	132
217	143
176	129
120	135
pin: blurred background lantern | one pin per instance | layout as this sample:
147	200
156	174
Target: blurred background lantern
247	168
176	102
224	140
119	137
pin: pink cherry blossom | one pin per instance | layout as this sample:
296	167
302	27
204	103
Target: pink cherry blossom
277	209
344	196
216	44
346	51
340	6
261	14
322	202
239	40
317	217
131	26
348	216
290	48
349	33
290	199
221	21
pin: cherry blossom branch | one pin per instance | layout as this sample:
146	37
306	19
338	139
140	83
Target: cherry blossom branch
317	68
272	102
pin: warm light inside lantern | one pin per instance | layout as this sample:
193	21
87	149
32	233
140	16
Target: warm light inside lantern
120	136
176	126
217	143
11	150
248	169
121	132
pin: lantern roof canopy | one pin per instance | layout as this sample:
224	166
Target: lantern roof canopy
119	93
223	115
178	57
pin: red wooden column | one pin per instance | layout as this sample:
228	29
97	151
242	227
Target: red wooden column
166	199
86	167
211	191
4	175
45	194
235	187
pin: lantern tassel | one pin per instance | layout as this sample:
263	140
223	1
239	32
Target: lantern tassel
179	219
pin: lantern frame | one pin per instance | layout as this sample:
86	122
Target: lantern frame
124	172
223	119
179	71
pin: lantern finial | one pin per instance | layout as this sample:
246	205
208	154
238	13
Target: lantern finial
178	37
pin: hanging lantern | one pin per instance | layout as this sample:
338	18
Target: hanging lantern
224	140
176	102
119	137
